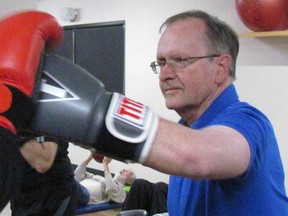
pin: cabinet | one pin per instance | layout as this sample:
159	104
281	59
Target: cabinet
98	48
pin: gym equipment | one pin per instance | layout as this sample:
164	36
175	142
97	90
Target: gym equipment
263	15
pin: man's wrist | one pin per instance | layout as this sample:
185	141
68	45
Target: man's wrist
105	168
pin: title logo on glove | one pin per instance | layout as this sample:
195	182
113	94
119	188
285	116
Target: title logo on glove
129	120
130	111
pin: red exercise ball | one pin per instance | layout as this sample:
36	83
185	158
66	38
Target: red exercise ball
97	156
263	15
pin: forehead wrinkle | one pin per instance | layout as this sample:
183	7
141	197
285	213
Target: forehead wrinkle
189	42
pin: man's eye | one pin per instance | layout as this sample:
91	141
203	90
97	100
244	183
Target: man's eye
161	63
178	60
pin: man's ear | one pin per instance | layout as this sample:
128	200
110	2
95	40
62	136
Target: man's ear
224	65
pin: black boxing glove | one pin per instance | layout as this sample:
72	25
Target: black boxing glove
74	106
60	99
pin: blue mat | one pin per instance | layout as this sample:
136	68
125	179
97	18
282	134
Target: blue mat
97	207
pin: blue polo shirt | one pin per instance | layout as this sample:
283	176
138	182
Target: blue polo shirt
260	192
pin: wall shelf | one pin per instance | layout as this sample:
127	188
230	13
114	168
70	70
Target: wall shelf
264	34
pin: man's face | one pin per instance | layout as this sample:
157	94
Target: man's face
190	87
122	176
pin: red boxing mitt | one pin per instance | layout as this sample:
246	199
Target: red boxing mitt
23	36
97	156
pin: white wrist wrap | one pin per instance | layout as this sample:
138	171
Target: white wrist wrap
132	122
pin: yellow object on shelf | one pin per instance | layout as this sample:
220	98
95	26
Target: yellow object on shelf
264	34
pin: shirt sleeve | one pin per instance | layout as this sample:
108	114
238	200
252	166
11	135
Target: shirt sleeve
115	190
256	129
81	173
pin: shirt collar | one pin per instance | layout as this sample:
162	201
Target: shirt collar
228	97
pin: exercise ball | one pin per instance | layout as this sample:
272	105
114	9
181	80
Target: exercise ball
263	15
97	156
